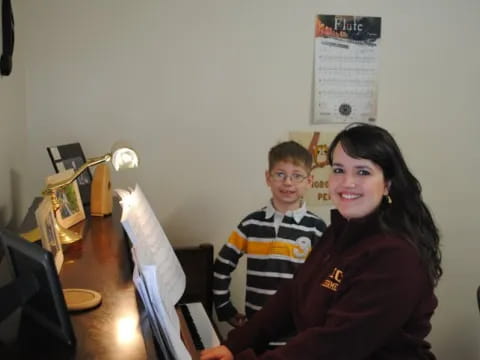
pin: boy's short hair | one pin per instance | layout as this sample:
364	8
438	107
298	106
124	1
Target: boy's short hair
290	151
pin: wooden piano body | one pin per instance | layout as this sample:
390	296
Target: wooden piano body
118	328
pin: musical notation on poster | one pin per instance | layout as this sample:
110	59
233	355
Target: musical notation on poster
346	68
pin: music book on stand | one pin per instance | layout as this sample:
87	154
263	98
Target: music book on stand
158	275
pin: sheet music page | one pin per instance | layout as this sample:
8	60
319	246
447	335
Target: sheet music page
158	333
165	322
158	275
151	244
164	313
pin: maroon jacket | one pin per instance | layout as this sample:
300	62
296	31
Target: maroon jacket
362	294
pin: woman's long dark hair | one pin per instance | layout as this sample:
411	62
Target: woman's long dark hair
407	215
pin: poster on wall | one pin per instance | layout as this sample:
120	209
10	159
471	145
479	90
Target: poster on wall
346	69
317	144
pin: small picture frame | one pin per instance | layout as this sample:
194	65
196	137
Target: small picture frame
70	156
71	209
50	239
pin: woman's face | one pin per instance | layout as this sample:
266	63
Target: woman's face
356	186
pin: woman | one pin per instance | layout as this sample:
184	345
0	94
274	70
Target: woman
366	290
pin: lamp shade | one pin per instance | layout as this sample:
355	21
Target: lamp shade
124	158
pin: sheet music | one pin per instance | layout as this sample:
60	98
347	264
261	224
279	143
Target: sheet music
164	319
346	75
141	286
151	243
158	275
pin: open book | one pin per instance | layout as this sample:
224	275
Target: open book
158	275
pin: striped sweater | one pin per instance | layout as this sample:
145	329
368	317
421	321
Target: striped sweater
275	245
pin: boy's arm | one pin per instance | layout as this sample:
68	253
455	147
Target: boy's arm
318	226
225	263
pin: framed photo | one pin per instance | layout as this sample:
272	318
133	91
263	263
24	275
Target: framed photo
49	236
71	208
70	156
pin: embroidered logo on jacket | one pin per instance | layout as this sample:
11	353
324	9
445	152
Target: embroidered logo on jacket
333	281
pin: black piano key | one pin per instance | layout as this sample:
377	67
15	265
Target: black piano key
197	341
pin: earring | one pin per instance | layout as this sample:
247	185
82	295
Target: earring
389	199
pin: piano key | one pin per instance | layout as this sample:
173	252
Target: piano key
203	324
197	341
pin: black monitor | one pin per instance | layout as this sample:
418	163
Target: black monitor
35	288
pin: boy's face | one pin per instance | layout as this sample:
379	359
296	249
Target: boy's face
288	183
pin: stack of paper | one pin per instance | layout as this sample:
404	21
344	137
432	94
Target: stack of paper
158	275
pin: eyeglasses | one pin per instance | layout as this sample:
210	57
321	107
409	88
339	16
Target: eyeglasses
280	176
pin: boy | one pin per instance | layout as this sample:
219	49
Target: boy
276	239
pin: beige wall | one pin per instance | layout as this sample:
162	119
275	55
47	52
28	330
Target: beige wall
202	89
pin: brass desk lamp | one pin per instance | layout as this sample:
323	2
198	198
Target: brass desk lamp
122	157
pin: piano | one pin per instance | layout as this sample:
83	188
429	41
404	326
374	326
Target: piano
118	328
197	331
195	307
197	300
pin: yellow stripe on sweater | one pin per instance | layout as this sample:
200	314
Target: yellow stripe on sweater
265	248
238	241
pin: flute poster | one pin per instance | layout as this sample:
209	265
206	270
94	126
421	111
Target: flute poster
346	69
317	144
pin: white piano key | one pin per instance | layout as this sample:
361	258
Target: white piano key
204	326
